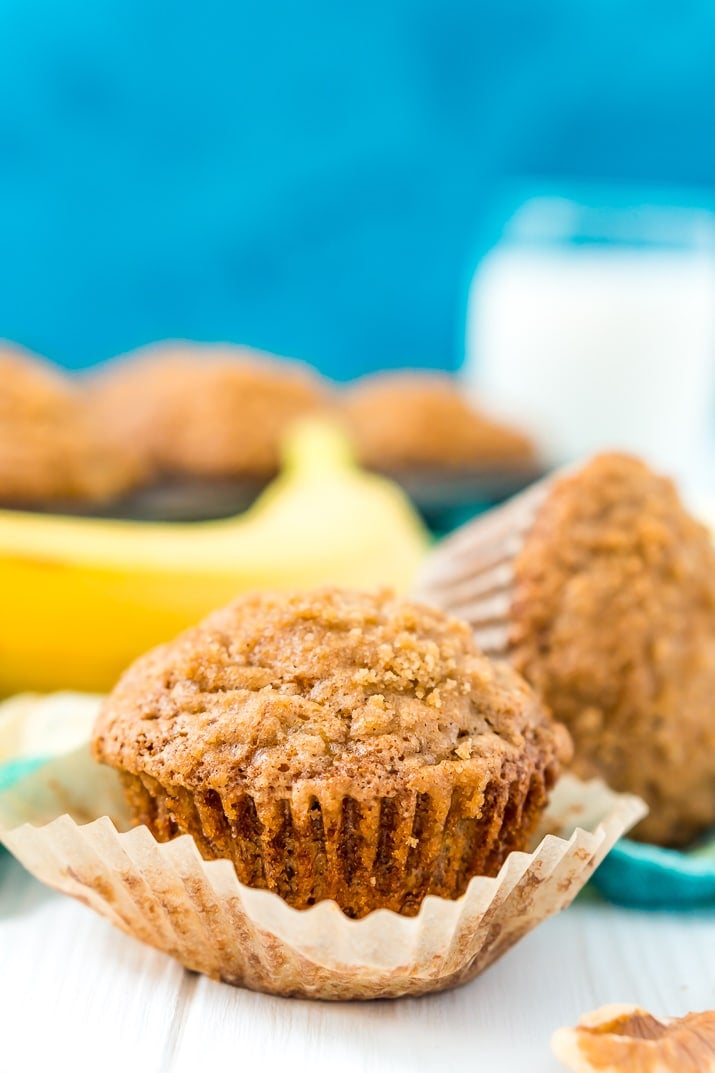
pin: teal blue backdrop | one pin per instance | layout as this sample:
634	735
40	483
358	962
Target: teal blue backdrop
315	178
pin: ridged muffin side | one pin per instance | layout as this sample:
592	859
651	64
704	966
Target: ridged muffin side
334	745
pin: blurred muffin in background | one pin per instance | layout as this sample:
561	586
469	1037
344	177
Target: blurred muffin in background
204	410
407	420
52	453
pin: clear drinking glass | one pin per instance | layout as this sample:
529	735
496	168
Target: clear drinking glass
592	322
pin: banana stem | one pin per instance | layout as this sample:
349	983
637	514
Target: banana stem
314	445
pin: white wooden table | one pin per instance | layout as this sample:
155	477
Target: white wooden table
76	994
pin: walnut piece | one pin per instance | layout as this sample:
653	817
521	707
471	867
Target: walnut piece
627	1039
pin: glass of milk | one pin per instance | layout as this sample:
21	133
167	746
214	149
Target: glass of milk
593	325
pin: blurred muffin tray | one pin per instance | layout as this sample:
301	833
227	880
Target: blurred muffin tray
447	497
185	500
444	499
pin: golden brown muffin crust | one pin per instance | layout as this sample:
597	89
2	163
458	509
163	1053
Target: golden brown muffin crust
204	410
312	700
614	623
422	420
50	449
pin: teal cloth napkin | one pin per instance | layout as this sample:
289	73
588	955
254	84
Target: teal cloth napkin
16	769
641	876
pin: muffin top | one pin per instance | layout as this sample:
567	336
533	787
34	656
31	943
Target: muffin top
50	448
204	410
336	691
407	419
614	623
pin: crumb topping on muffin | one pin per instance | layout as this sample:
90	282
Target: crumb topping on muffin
337	745
421	420
278	691
613	621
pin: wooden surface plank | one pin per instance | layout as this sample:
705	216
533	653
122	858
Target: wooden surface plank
74	990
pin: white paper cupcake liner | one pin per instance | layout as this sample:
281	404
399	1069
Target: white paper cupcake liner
471	573
68	824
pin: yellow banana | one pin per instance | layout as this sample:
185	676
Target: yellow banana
81	597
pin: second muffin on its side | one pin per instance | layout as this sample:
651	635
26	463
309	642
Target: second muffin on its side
599	587
334	745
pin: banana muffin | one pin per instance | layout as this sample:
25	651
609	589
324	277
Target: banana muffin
422	421
52	453
600	588
204	410
334	744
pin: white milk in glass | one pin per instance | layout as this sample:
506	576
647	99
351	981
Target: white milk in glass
596	329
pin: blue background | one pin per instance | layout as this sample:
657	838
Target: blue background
315	178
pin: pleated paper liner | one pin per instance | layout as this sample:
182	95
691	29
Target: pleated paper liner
68	824
471	573
363	853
